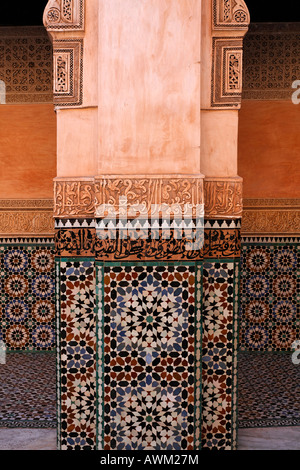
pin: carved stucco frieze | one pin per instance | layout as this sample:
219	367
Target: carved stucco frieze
89	197
227	72
179	192
221	198
271	217
26	217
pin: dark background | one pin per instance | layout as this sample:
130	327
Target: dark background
274	11
22	13
30	12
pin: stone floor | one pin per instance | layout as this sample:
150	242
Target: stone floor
27	439
282	438
28	390
268	390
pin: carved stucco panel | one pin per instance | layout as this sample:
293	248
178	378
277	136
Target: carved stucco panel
223	198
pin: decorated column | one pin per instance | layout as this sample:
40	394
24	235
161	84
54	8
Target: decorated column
146	288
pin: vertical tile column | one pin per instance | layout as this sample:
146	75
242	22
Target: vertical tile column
220	314
76	338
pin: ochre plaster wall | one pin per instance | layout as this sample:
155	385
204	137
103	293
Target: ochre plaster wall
27	151
269	149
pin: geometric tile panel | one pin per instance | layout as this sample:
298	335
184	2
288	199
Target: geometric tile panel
219	361
269	317
151	357
77	360
27	307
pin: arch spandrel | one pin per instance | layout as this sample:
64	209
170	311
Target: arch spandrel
230	14
64	15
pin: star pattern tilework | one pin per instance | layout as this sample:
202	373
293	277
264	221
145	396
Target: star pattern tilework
77	362
219	357
27	281
149	357
269	297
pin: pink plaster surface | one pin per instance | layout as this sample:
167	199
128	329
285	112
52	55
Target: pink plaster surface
149	86
219	142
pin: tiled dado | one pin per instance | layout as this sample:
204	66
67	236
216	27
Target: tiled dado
270	287
134	367
151	359
27	315
130	336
